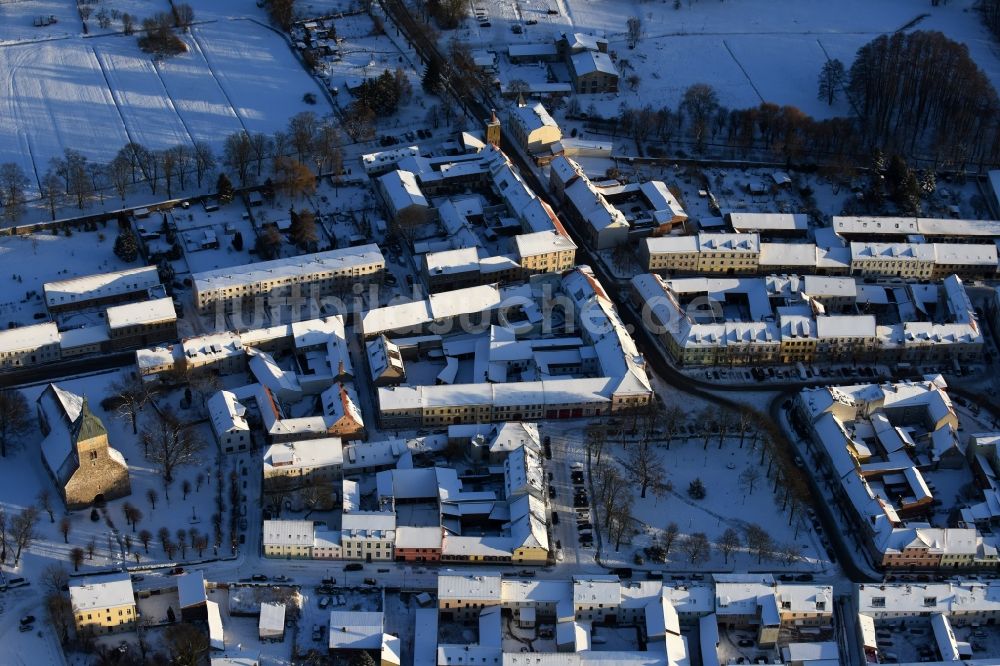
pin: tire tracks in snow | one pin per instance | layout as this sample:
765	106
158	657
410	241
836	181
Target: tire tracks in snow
218	81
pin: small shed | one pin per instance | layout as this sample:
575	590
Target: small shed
272	622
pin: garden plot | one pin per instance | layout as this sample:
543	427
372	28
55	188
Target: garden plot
23	476
260	76
41	258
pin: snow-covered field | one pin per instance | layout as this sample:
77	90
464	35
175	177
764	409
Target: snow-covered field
94	95
749	51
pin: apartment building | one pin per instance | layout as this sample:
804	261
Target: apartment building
703	321
290	539
310	275
744	254
142	323
100	289
304	462
29	345
102	604
368	535
882	444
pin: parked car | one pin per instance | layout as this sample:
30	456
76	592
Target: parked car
27	619
324	602
370	581
354	566
258	578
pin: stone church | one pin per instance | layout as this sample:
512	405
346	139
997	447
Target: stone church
76	452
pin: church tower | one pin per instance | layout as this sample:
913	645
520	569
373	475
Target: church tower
493	129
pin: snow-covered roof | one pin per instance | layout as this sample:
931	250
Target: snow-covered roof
356	630
764	222
288	533
368	524
99	592
402	190
532	117
27	338
227	413
305	453
317	332
589	62
191	588
143	312
915	226
83	337
289	268
484	586
418	537
542	242
272	619
100	285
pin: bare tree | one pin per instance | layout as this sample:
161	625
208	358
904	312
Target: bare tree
53	578
171	442
183	15
748	478
204	160
45	503
119	173
76	556
60	615
302	132
238	153
621	519
4	535
699	104
131	394
634	24
185	489
13	183
181	535
128	24
789	554
594	438
669	537
51	191
15	419
759	542
728	543
65	525
22	531
186	644
696	546
168	166
152	496
91	547
645	467
145	536
260	146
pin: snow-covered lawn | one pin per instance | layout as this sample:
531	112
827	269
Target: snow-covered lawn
747	50
727	504
22	476
258	73
41	258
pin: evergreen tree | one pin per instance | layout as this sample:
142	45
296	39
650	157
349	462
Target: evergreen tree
432	77
224	188
126	248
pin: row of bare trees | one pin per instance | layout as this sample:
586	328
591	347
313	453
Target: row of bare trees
919	94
